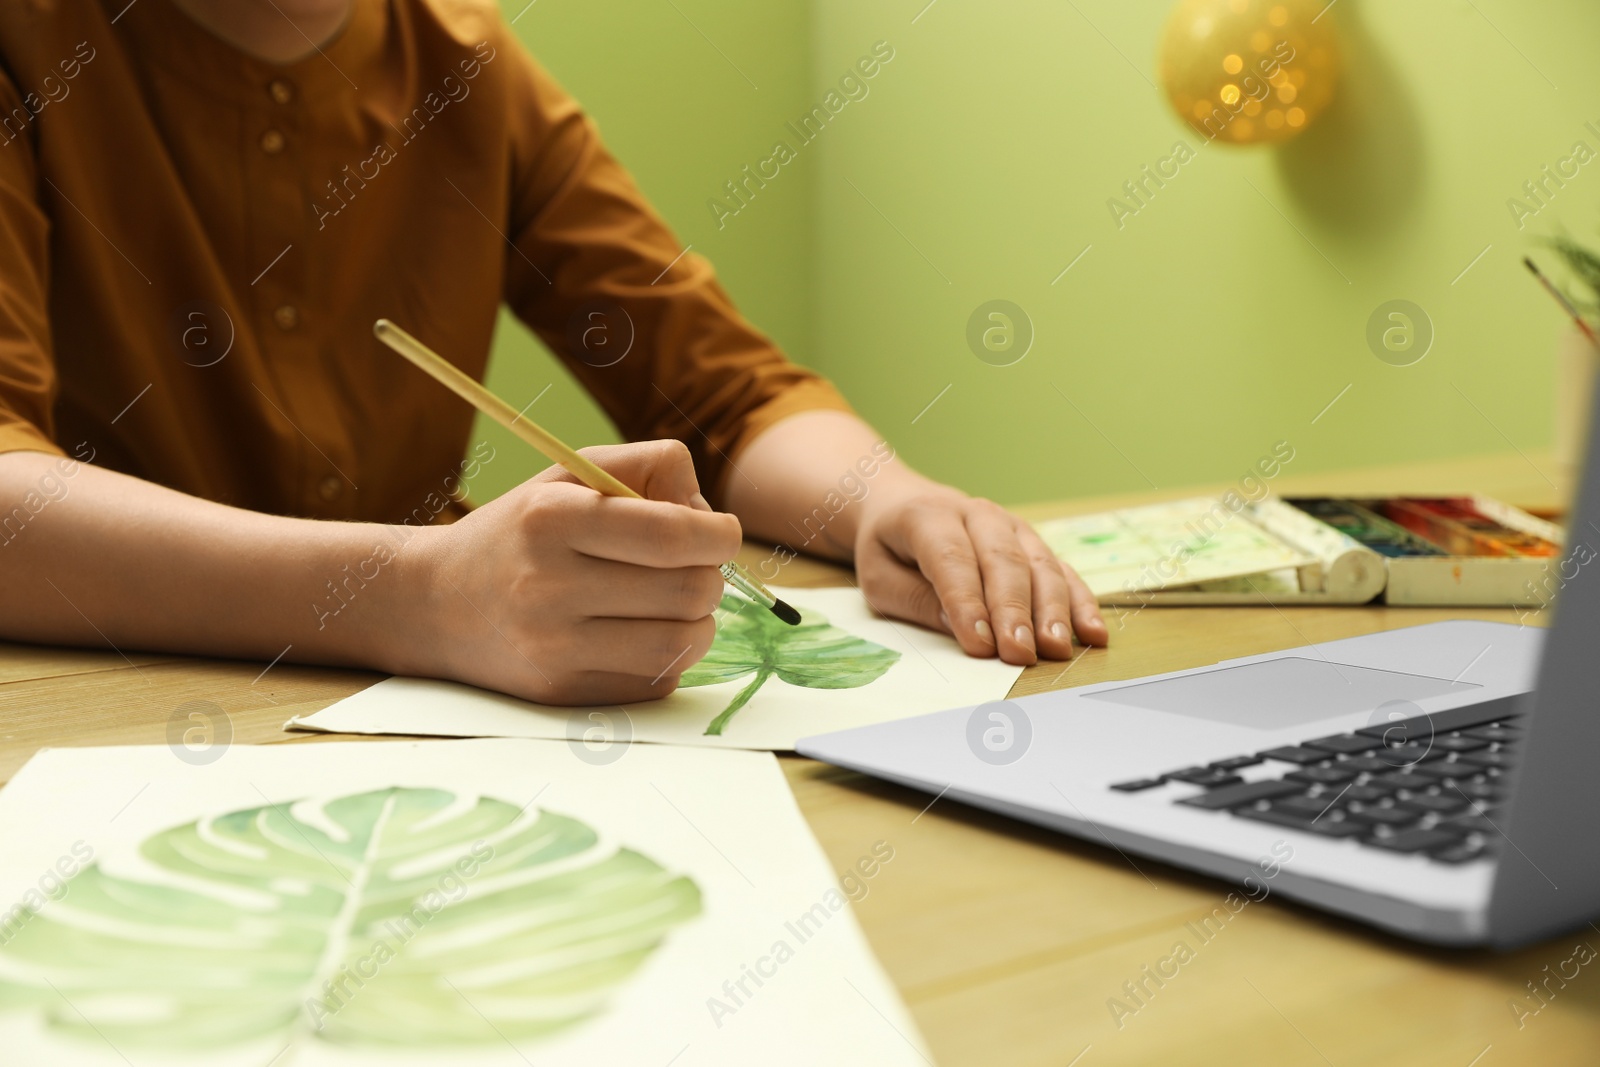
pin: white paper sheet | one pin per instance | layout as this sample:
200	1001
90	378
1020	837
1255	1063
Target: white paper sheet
1166	546
931	673
724	821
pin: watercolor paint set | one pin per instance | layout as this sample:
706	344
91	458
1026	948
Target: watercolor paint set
1422	551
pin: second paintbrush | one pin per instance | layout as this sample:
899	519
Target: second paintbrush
554	449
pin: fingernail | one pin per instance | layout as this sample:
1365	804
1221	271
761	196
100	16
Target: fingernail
1058	630
982	626
1024	636
944	620
699	503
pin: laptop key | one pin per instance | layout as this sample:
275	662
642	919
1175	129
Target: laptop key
1210	777
1414	841
1407	754
1365	794
1417	783
1501	758
1294	754
1437	805
1310	807
1321	775
1493	732
1460	853
1327	827
1345	743
1233	763
1137	784
1441	769
1470	824
1234	796
1459	744
1365	764
1384	816
1478	790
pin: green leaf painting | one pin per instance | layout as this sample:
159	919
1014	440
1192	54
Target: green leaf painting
401	917
814	654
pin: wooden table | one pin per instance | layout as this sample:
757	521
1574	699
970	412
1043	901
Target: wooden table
1006	941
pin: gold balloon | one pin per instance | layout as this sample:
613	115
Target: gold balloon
1249	71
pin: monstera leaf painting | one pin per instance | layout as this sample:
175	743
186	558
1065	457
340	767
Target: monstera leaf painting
402	917
814	654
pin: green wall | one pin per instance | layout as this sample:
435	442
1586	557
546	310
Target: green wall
683	119
1208	327
1222	318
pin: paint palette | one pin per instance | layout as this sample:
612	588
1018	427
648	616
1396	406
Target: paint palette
1366	526
1423	550
1458	527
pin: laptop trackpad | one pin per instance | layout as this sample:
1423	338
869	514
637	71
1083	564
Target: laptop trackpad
1275	693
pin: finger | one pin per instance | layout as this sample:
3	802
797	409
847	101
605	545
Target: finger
892	588
656	651
656	470
942	550
1052	596
648	533
1087	621
625	591
1007	580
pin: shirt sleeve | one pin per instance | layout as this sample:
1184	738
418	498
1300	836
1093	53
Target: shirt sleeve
643	324
27	364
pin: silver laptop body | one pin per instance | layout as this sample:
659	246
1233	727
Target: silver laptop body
1487	733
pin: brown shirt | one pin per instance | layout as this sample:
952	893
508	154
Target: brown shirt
194	245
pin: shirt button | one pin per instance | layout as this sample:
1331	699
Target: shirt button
328	488
286	317
281	91
272	142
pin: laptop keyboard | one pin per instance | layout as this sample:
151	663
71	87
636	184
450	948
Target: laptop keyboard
1431	785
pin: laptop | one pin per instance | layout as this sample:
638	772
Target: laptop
1439	781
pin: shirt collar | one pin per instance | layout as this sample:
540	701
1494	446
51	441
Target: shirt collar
165	35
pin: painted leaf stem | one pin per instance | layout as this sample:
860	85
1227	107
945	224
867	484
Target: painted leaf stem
815	655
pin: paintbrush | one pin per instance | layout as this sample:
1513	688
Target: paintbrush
553	448
1561	298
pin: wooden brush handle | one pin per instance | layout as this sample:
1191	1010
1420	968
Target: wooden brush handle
473	392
